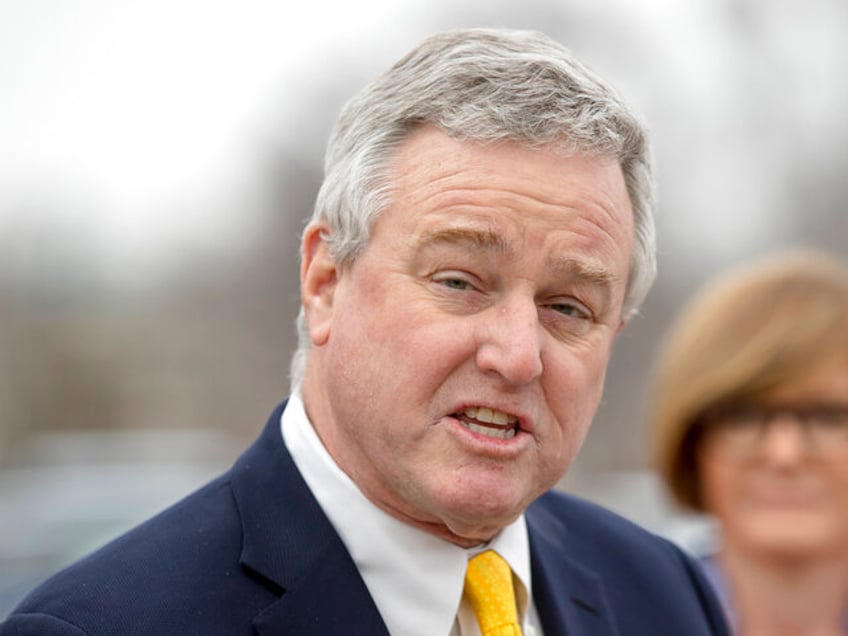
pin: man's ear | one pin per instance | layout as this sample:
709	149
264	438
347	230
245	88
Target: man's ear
318	277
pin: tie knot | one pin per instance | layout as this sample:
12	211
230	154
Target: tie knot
488	587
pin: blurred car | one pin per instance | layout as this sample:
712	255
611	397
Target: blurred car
66	494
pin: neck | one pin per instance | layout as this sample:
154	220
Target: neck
793	597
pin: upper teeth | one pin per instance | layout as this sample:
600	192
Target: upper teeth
490	416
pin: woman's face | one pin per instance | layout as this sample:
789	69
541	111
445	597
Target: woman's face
775	472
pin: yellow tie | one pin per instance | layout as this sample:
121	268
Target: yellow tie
488	586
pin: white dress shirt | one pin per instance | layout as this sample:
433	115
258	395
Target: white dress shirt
415	578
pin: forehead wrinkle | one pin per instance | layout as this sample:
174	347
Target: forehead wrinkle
496	198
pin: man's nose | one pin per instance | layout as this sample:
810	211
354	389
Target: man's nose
509	342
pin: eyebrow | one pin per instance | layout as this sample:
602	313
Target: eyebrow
587	273
472	237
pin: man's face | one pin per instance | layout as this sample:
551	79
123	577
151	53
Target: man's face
458	362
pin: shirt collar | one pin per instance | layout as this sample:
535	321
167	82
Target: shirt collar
415	578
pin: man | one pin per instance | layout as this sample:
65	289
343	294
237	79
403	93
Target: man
482	234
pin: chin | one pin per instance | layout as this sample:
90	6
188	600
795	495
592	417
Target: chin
480	518
795	552
468	532
797	541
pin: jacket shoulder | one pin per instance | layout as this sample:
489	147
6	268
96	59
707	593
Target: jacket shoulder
173	567
646	578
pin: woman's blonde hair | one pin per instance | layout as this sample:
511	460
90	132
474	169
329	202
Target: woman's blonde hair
755	327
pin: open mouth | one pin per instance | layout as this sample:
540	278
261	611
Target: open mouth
488	422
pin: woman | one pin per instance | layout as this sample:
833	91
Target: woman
750	425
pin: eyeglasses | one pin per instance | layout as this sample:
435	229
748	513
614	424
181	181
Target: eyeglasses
741	429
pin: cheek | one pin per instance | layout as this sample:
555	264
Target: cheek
575	382
839	490
573	390
397	347
718	487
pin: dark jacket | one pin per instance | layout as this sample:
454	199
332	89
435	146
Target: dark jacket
252	552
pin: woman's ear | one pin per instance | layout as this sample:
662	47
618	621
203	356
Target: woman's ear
318	277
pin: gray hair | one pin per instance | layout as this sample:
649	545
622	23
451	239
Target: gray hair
482	85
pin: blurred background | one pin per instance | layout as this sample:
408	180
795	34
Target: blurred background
158	158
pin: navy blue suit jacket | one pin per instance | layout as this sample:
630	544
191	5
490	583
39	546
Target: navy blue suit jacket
252	552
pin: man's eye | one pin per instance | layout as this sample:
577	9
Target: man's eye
453	281
572	310
456	283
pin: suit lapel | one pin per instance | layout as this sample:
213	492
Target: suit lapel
291	547
328	600
569	597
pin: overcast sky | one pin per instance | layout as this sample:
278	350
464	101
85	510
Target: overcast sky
125	123
125	110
